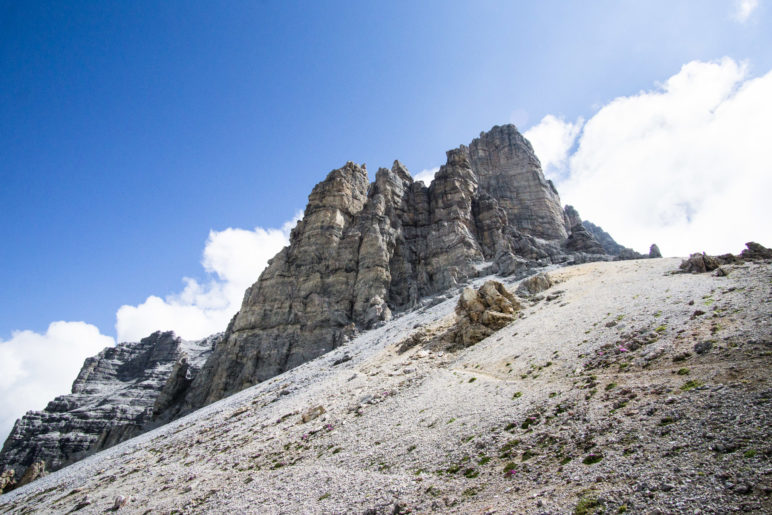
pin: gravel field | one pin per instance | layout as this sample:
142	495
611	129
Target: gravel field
622	388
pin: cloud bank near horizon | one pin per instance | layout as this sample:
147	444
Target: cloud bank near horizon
684	165
35	367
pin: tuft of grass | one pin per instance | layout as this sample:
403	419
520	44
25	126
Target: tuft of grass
683	371
661	329
483	460
453	469
750	453
529	421
472	379
587	505
690	385
324	496
517	395
592	458
471	473
611	386
509	468
411	448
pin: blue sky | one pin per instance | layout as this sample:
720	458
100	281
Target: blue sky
130	130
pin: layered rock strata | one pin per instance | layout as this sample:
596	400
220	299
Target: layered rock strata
112	399
364	251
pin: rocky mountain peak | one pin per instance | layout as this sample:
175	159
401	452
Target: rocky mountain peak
362	253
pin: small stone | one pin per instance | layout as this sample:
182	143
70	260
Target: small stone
120	502
311	414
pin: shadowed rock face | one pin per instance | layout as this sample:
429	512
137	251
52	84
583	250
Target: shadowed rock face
363	251
112	399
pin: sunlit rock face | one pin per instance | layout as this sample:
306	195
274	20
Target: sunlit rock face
364	251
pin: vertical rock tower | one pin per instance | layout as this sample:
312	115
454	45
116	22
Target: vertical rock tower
364	250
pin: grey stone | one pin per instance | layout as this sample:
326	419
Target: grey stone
112	400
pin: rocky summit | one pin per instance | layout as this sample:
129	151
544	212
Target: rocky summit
363	253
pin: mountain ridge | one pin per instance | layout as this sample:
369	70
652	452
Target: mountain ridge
362	253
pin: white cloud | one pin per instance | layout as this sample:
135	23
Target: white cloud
233	258
744	8
35	368
685	165
552	140
426	175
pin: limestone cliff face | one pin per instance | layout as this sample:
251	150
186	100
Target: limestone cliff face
363	251
112	399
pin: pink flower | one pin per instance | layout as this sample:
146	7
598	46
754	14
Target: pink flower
622	349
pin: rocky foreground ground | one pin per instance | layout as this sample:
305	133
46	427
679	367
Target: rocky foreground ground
623	387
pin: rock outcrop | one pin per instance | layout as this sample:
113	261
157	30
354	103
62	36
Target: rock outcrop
699	263
610	246
112	399
482	312
365	251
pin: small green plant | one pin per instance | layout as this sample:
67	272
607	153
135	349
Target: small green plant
528	422
411	448
453	419
658	314
483	460
683	371
510	468
611	386
661	329
472	379
592	458
750	453
453	469
666	421
506	449
553	394
587	505
471	473
690	385
517	395
324	496
527	455
565	460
